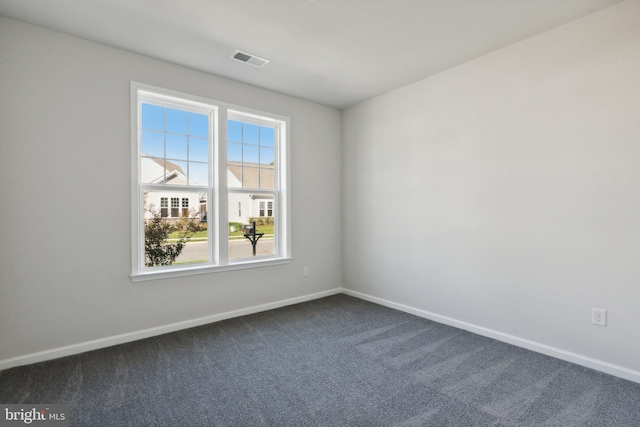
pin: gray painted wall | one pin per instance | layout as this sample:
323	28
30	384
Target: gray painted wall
505	192
65	212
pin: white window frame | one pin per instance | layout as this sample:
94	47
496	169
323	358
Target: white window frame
217	191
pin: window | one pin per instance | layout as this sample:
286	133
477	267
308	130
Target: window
185	207
266	208
194	159
164	207
252	144
175	205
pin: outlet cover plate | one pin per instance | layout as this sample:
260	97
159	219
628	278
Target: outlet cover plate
599	316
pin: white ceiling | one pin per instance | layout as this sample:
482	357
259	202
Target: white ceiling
334	52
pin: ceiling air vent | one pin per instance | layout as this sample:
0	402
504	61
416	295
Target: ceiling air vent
248	58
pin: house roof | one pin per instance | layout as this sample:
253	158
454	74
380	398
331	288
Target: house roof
171	167
245	174
153	171
253	175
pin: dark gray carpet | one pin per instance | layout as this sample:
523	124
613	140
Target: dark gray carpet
337	361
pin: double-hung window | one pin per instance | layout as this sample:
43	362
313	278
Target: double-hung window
195	164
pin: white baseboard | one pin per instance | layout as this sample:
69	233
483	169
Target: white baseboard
578	359
147	333
558	353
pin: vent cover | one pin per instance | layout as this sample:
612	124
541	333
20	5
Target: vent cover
250	59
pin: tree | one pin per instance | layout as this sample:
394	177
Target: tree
157	249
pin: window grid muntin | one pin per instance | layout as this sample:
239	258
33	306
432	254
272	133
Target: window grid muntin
263	124
157	100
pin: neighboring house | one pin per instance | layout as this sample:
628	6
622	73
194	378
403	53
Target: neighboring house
244	206
177	204
170	204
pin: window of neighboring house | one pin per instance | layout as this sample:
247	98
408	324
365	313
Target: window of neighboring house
175	206
265	208
185	207
184	168
164	207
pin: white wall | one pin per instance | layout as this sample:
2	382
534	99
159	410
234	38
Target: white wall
65	232
505	192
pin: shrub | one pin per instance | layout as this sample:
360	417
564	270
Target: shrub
157	249
261	220
235	225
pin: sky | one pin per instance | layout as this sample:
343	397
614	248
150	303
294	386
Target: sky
182	137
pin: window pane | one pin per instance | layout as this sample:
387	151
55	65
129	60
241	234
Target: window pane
198	149
152	117
234	176
266	157
250	134
151	170
198	173
176	172
152	144
198	125
250	154
234	152
175	231
266	136
234	131
173	152
176	147
185	207
267	179
250	177
176	121
236	217
241	247
251	148
175	203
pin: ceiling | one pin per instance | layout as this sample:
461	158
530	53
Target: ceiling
334	52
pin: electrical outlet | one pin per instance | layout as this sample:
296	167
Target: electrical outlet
305	271
599	316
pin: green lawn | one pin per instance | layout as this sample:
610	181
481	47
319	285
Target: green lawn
202	235
266	229
198	235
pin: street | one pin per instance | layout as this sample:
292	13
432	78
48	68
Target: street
197	251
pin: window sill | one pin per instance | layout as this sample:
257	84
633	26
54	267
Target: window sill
171	272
